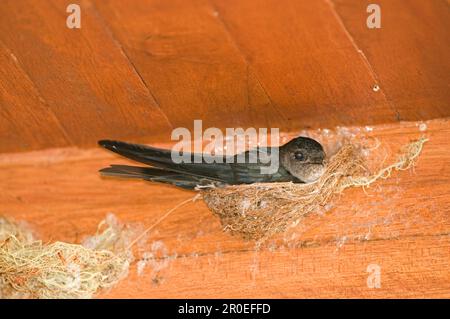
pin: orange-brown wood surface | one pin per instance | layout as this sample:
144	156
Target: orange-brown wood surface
401	224
139	68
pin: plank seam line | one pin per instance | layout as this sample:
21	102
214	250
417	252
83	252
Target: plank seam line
65	135
133	66
247	62
366	61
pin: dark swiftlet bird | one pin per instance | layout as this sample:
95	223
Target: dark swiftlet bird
301	160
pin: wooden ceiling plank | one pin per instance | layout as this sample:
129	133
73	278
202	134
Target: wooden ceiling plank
409	53
26	121
82	74
306	62
190	63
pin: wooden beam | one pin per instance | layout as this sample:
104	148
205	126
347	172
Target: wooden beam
401	224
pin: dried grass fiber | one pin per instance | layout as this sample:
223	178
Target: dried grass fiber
31	269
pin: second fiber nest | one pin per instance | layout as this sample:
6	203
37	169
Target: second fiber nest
258	211
30	268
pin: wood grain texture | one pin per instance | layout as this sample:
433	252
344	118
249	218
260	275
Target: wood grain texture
401	224
409	54
138	68
306	62
82	74
187	58
26	122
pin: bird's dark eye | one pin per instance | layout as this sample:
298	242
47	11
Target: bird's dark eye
299	156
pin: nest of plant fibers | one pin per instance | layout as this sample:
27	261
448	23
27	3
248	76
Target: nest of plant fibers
258	211
31	269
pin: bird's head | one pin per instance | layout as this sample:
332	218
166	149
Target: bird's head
304	158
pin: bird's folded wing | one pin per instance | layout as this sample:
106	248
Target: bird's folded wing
229	173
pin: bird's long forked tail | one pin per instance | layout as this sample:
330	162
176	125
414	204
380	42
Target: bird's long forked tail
141	153
163	169
162	158
155	175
